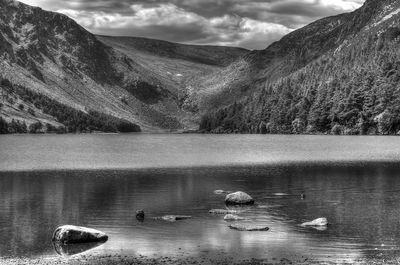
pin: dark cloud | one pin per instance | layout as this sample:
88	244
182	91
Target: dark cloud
252	24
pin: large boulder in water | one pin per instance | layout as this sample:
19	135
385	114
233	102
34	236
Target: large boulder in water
68	234
239	197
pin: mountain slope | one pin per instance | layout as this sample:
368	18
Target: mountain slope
177	66
52	55
284	57
338	75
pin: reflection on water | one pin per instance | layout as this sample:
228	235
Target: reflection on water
360	201
73	249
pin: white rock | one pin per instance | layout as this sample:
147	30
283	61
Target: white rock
232	217
317	222
239	197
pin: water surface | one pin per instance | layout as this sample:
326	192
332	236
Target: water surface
132	151
100	181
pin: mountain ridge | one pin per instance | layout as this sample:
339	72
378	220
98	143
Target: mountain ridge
298	99
162	86
51	54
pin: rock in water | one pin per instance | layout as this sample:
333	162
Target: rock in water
68	234
317	222
232	217
140	215
219	191
239	197
221	211
249	227
173	218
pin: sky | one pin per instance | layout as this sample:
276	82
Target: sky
251	24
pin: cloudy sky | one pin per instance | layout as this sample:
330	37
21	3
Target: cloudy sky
251	24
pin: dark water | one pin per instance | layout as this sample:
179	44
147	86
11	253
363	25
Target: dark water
360	201
100	181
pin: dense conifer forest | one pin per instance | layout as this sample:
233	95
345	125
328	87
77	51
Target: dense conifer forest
353	90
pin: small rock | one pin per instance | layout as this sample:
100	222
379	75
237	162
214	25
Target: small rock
232	217
140	215
317	222
222	211
249	227
173	218
75	234
239	197
219	191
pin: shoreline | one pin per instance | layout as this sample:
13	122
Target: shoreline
117	259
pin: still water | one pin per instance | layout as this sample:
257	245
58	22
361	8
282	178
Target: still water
100	181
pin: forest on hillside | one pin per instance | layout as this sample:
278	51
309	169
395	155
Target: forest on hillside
354	90
74	121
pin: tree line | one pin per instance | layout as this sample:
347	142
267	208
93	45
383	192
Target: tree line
354	90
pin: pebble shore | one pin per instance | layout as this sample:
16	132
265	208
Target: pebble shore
142	260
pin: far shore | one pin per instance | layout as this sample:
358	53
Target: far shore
198	132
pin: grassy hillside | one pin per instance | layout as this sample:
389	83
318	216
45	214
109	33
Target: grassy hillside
47	115
177	67
145	82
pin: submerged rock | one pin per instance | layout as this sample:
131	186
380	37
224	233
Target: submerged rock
173	218
222	211
317	222
239	197
232	217
68	234
248	227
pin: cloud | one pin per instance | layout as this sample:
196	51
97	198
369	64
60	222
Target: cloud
252	24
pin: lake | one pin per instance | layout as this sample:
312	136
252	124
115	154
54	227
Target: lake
100	181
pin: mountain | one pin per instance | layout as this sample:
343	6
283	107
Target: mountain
55	73
338	75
